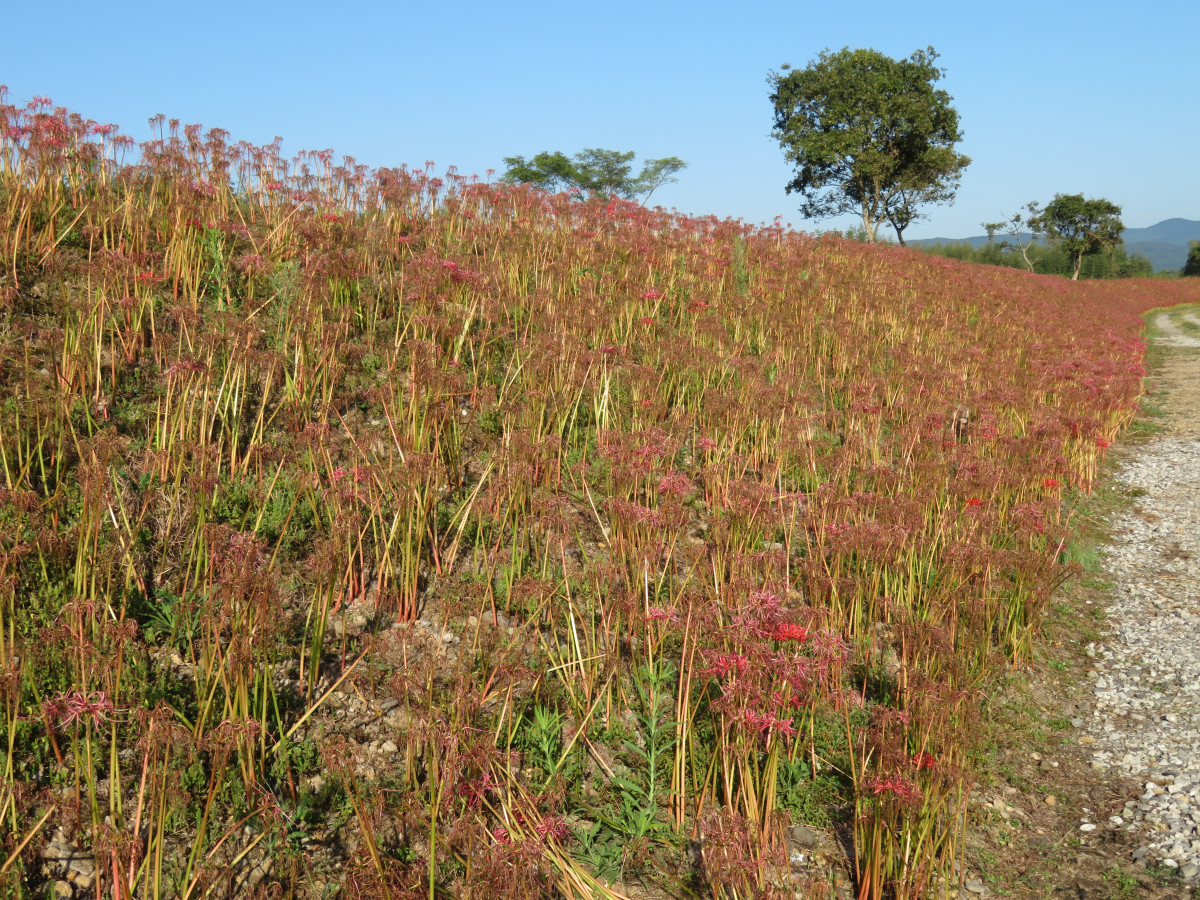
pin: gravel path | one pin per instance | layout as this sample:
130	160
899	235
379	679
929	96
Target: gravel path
1146	721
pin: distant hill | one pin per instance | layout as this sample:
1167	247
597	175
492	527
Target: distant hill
1164	244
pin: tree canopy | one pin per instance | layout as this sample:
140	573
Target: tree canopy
605	172
868	134
1081	226
1191	268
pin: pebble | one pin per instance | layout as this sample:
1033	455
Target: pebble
1146	720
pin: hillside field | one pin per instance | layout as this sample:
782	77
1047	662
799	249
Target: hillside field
369	533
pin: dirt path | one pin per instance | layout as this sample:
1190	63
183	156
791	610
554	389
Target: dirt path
1179	376
1146	718
1095	753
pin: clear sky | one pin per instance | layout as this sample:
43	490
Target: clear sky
1097	98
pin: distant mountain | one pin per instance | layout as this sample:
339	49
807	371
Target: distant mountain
1164	244
1170	231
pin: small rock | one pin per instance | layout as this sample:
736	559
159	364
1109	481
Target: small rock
1087	826
804	836
975	886
1052	800
63	889
388	747
1191	870
83	865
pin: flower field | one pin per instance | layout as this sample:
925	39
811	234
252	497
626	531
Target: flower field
418	536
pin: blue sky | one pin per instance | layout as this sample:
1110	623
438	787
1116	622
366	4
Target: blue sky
1095	98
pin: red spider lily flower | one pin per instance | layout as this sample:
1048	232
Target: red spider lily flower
662	614
551	829
251	263
647	320
1050	483
924	760
974	501
902	790
765	723
652	295
330	217
189	366
789	631
500	835
478	789
76	706
1101	443
675	484
724	663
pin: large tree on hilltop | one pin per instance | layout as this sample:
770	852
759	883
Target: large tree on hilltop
868	134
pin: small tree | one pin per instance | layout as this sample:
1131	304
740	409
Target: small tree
1026	221
1082	227
551	171
868	134
606	172
1191	268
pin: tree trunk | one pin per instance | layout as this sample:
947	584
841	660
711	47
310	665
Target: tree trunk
1078	265
1025	255
870	226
